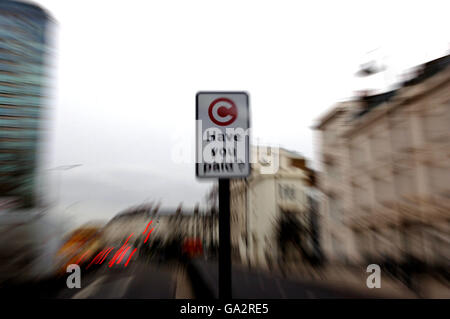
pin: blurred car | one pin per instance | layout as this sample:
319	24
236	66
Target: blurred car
122	259
80	247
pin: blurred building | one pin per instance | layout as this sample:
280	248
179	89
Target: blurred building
386	173
28	238
130	221
170	226
271	216
23	48
336	236
202	225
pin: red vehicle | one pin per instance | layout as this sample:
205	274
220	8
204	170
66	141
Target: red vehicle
192	247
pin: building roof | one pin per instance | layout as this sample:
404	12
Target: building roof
293	154
147	209
30	9
370	102
429	69
329	115
423	72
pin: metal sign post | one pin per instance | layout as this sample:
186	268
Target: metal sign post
224	240
223	124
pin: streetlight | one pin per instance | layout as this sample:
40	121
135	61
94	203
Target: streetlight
64	167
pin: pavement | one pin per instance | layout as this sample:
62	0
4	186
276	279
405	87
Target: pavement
183	288
256	284
426	286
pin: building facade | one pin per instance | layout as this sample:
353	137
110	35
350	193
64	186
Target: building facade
23	48
28	238
336	236
386	173
269	209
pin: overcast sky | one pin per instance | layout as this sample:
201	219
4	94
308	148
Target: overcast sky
126	74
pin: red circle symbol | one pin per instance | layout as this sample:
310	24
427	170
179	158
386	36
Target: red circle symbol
222	111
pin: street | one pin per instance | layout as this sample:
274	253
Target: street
199	280
137	281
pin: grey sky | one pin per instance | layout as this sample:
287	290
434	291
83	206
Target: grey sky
127	73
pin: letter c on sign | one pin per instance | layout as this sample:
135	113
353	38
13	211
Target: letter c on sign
222	111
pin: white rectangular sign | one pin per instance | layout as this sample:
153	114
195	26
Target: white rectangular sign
223	123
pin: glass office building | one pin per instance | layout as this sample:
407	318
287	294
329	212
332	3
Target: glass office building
23	50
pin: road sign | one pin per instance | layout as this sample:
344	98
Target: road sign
222	135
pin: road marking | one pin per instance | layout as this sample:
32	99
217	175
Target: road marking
105	290
120	287
90	290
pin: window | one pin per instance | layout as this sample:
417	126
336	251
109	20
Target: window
334	208
287	192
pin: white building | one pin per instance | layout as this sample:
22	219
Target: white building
336	237
276	189
387	173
